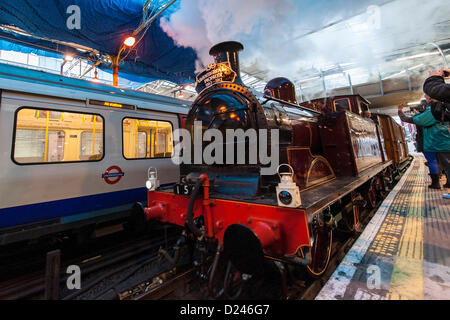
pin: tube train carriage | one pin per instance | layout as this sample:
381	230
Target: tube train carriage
340	162
73	153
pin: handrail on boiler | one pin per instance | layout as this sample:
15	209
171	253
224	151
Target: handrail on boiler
291	104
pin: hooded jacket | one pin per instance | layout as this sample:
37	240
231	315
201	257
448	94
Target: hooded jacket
436	136
436	88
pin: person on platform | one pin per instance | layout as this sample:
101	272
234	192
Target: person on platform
437	89
426	143
419	131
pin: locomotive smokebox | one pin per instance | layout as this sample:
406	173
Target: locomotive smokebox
229	52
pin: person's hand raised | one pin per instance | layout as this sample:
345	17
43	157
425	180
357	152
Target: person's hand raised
445	73
436	73
401	106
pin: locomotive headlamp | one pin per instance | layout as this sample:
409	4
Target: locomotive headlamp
288	193
152	181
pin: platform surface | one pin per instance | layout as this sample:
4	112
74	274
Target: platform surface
404	252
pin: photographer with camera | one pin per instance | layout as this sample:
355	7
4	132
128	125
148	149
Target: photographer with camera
437	89
425	138
414	110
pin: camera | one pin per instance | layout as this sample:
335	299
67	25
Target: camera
419	108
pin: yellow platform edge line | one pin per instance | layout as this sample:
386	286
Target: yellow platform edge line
407	277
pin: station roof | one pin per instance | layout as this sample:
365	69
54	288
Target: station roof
380	49
42	27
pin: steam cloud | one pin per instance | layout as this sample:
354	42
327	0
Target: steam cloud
271	31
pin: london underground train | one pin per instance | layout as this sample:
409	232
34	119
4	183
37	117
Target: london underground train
73	153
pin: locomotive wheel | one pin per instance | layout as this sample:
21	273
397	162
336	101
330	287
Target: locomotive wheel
380	187
322	237
349	222
372	195
369	192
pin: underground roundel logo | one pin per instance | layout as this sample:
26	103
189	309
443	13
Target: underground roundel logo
113	175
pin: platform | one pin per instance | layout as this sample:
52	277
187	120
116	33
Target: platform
404	252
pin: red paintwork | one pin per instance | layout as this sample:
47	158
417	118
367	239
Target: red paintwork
182	119
288	227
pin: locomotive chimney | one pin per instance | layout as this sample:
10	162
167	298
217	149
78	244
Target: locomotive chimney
228	52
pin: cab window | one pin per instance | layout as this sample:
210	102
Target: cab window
342	104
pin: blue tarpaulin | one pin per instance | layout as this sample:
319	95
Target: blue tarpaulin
103	26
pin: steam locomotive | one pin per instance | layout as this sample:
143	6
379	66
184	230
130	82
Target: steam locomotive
340	160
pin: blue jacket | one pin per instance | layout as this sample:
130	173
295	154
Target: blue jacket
436	137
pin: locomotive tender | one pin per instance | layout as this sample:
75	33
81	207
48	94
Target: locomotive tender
73	153
341	163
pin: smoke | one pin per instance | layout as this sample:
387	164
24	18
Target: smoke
287	38
258	24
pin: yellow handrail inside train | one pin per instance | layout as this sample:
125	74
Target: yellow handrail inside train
136	149
46	137
93	136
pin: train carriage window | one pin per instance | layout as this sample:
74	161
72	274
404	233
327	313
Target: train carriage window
89	149
142	144
146	139
49	136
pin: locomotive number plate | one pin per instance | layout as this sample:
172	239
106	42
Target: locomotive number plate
182	189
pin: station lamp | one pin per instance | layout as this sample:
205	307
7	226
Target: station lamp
129	41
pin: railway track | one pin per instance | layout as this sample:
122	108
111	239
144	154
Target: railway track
99	268
139	270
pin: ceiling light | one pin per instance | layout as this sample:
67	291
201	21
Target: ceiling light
309	79
68	58
417	56
415	67
129	41
395	74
